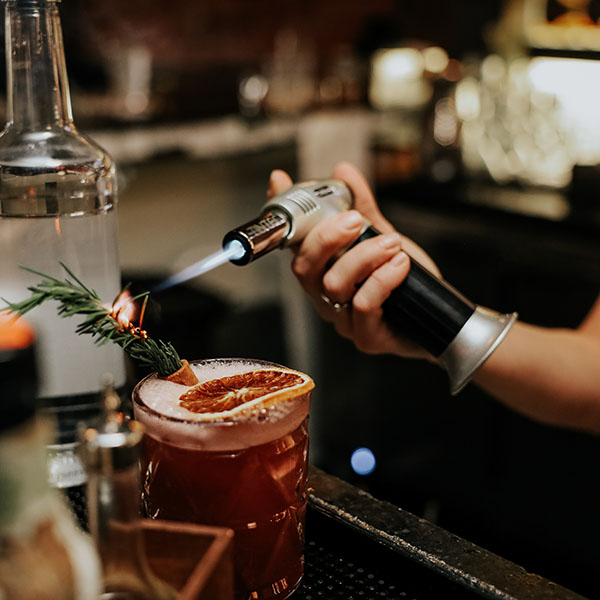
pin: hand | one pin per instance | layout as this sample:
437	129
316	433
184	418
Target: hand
361	278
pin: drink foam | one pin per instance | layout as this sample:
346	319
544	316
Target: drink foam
157	406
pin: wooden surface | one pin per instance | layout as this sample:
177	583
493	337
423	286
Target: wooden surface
195	559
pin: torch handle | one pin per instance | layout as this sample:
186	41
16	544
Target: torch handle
424	307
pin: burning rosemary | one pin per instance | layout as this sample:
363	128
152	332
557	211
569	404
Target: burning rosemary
102	323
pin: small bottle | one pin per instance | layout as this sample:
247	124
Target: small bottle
57	203
44	553
110	450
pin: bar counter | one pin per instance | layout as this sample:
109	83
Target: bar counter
361	547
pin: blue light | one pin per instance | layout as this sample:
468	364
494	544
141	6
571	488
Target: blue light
362	461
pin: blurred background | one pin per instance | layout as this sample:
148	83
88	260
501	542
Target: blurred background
478	124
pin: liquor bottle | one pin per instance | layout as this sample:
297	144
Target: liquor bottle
110	448
44	553
57	203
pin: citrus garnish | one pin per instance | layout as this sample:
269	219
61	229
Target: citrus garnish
228	396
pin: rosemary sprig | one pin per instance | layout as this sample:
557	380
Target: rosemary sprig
101	323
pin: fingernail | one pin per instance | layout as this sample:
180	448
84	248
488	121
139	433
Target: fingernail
399	259
352	219
390	240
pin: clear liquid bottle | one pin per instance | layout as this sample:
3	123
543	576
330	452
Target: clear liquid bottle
57	203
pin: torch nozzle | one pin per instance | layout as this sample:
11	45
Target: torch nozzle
259	236
289	216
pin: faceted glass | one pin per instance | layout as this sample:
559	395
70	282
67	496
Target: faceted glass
248	474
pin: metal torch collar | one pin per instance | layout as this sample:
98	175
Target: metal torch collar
474	344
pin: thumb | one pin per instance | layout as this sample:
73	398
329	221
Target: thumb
279	181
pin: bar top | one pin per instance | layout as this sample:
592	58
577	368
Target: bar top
458	560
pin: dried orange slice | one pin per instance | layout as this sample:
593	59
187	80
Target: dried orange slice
228	396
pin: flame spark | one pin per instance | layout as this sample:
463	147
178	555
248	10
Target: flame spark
124	312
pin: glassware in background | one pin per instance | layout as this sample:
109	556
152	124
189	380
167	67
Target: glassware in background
252	90
57	203
416	131
291	75
529	120
344	79
110	450
528	110
246	472
561	24
129	69
44	554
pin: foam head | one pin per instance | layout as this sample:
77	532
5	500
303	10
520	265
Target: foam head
159	405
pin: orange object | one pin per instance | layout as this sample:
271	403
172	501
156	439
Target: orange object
15	333
229	396
184	375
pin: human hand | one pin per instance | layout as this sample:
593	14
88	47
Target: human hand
361	278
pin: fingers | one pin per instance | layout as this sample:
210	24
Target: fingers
366	305
321	244
377	288
358	283
354	267
279	181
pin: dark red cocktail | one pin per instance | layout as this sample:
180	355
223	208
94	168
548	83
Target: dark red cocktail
232	451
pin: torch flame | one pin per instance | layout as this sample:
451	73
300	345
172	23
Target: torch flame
122	319
124	311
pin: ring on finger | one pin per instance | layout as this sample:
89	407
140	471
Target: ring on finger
336	306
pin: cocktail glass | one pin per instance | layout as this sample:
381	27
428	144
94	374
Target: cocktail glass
245	469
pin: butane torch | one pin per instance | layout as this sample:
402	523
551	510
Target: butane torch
424	307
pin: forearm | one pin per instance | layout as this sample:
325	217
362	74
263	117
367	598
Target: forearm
551	375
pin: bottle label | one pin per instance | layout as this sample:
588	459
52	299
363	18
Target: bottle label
65	468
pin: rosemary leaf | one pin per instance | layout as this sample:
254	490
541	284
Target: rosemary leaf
75	298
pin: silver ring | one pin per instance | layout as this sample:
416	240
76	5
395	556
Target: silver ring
336	306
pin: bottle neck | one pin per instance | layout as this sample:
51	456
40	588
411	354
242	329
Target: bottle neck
37	85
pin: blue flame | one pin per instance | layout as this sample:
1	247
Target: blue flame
231	251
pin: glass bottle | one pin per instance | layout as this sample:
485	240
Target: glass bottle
44	553
57	203
111	450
